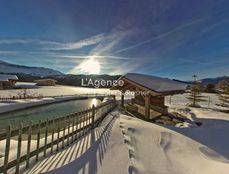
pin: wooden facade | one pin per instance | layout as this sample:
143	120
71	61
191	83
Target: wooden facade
8	84
8	81
46	82
1	85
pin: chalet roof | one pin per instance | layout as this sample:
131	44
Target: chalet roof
3	79
7	77
154	83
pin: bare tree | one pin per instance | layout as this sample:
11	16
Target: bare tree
25	93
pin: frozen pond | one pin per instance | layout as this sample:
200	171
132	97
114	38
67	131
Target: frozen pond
45	112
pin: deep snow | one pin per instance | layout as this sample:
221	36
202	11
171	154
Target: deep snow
124	144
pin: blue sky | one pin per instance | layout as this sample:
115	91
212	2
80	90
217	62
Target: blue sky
169	38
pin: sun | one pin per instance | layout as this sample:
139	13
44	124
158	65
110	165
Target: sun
90	66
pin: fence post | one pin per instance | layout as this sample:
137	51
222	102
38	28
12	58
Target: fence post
84	119
114	98
93	116
73	128
19	149
64	132
46	137
69	124
7	149
29	144
80	124
88	120
38	140
85	122
77	127
58	135
53	132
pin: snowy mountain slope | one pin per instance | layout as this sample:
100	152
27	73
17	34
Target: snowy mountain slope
214	81
20	69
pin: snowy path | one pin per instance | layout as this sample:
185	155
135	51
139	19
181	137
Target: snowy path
159	150
127	145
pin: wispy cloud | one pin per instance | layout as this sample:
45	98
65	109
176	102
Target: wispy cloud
108	44
94	56
79	44
51	45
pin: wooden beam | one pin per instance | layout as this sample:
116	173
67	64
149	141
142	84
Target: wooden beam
122	99
126	87
147	106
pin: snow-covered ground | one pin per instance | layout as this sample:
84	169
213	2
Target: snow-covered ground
211	100
51	90
124	144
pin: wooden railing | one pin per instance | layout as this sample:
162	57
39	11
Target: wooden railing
47	96
36	141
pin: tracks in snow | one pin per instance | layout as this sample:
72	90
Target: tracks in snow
131	145
161	141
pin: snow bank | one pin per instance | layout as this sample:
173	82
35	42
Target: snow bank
157	149
124	144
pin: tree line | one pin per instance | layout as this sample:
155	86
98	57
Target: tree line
196	90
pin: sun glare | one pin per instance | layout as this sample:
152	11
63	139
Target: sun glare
90	66
94	102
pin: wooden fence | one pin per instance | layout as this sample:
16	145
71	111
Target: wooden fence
57	96
36	141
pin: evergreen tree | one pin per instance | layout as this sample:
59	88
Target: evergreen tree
224	93
195	95
210	88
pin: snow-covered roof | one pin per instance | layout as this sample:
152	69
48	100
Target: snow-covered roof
6	77
154	83
3	79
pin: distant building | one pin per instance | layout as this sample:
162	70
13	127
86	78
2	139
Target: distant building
45	82
150	92
7	81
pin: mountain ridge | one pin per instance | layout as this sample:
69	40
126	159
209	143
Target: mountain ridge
27	73
10	68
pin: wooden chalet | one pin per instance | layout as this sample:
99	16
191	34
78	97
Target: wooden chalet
150	92
45	82
8	81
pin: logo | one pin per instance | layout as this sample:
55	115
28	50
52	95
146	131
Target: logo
101	83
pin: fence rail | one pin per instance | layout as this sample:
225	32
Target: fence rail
47	96
49	136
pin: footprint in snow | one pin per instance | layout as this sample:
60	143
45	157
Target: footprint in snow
213	155
165	140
